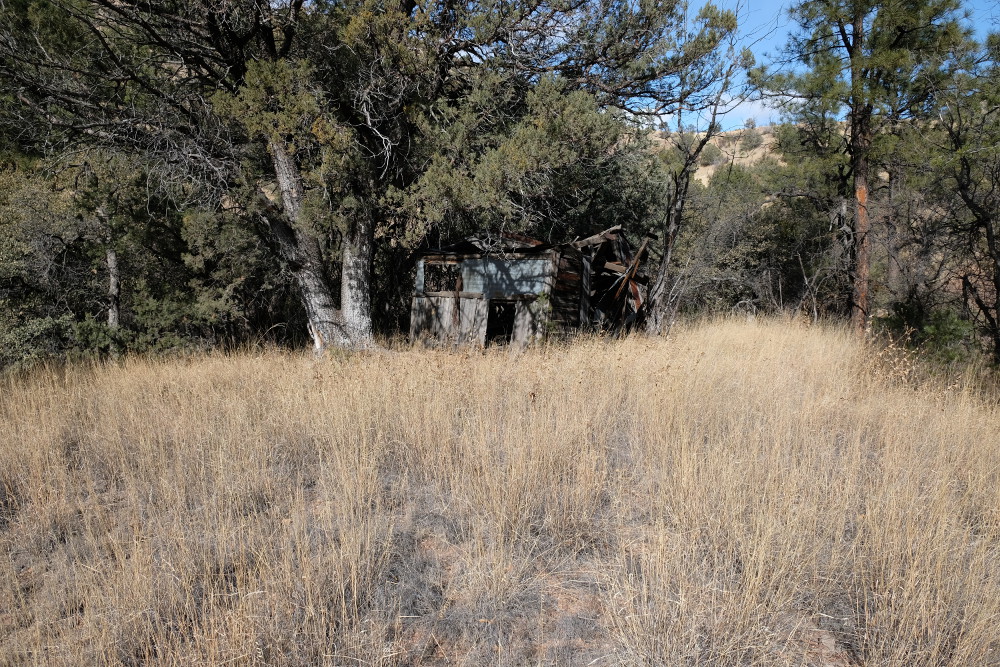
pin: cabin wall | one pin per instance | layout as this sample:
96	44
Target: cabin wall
531	320
434	318
567	291
527	282
498	278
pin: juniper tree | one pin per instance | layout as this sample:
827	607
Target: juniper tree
330	101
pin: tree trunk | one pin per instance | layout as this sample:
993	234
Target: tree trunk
114	279
893	247
324	319
862	248
114	289
661	289
327	325
356	278
861	138
993	247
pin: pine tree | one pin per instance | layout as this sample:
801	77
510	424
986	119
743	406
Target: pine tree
871	64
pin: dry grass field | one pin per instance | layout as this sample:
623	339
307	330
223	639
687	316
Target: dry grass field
738	494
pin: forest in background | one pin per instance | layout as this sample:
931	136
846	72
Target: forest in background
195	175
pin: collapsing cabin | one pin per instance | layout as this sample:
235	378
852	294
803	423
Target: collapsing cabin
485	291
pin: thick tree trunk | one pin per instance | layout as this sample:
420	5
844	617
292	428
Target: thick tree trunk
656	310
325	325
356	278
860	146
862	248
350	327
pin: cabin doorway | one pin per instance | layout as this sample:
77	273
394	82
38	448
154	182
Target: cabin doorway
500	322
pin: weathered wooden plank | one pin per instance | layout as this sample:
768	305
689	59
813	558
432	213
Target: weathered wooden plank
451	295
437	319
530	320
430	317
472	326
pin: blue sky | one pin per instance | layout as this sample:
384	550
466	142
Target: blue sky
764	25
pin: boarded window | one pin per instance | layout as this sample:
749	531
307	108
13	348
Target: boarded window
442	277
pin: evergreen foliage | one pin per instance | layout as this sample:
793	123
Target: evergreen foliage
191	175
341	136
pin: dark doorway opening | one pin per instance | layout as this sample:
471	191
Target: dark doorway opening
500	322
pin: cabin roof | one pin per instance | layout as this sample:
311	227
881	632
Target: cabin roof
518	246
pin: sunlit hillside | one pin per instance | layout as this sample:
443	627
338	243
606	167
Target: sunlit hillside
745	148
741	493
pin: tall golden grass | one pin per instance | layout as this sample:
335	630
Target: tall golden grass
740	493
